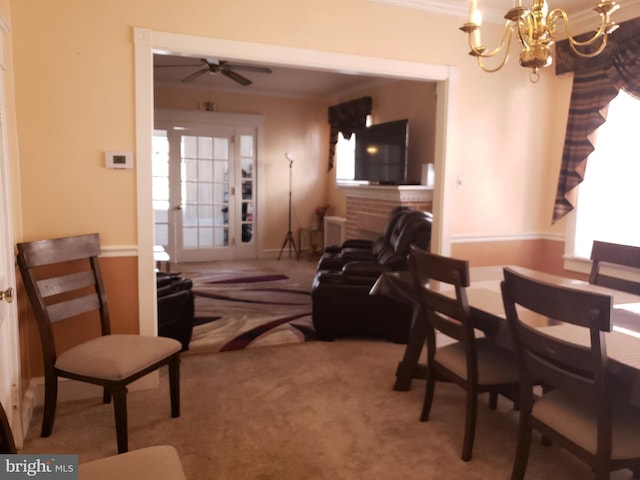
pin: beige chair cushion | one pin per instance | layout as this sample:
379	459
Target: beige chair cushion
495	365
151	463
577	421
115	357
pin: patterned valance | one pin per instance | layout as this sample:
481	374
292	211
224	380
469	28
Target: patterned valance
596	81
346	117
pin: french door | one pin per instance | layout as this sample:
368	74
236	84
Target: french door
204	191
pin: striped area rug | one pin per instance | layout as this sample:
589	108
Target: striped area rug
247	309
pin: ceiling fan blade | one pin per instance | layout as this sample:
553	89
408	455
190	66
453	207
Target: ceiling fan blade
248	68
190	65
234	76
195	75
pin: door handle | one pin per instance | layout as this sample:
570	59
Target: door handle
7	295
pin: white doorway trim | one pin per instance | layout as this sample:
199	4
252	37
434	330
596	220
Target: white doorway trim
148	42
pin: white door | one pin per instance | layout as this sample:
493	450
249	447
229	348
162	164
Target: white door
204	189
9	356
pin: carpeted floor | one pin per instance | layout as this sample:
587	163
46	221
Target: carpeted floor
252	304
316	410
311	410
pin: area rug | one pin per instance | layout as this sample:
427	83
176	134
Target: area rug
245	309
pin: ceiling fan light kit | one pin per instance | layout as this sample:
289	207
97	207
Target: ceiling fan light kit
537	30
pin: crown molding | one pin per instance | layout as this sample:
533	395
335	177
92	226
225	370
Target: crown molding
580	21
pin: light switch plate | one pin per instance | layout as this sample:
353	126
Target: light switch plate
118	159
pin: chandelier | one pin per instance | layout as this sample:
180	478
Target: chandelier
537	30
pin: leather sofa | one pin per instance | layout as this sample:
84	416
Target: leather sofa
391	248
341	303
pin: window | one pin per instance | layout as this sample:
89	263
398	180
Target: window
346	156
609	196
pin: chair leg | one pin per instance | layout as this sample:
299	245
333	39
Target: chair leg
50	400
120	411
174	386
428	395
522	448
106	395
493	399
469	425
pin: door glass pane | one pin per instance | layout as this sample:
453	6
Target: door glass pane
247	178
205	187
160	186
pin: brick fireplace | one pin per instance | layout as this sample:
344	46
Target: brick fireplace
369	205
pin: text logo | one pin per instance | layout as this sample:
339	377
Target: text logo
51	467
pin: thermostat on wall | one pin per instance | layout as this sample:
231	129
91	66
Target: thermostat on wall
118	159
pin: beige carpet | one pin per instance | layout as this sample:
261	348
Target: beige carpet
315	410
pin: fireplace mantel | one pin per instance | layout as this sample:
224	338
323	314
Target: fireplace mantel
395	193
368	206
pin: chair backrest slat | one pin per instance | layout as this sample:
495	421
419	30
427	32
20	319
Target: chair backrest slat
59	250
50	287
615	254
73	308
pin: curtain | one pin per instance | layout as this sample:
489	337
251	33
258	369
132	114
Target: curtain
596	81
346	117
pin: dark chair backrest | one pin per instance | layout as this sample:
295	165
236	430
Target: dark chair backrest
7	444
558	363
62	278
616	254
449	314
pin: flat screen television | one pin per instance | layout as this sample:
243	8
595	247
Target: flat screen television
381	153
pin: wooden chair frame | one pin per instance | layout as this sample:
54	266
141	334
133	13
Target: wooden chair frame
451	316
561	365
60	296
612	253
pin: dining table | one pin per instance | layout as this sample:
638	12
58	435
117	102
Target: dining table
485	301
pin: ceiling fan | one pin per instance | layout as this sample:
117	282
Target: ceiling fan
221	66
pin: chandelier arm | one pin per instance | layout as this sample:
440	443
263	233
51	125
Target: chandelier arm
506	39
502	63
558	13
596	52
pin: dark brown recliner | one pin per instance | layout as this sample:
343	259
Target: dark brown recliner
336	256
341	304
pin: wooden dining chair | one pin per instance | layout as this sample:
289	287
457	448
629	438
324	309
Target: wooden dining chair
160	462
475	364
576	409
615	254
63	280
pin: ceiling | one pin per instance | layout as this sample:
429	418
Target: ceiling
282	81
319	84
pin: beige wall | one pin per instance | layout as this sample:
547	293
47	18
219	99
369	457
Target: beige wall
72	65
84	104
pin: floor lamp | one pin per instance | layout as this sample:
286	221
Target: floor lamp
288	239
